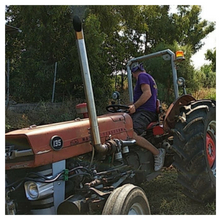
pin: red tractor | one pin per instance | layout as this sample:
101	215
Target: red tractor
92	165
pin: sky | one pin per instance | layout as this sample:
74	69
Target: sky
208	13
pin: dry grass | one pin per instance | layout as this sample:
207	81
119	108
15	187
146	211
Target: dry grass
205	93
164	193
41	115
165	197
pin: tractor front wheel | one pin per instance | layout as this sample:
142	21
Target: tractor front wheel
195	150
127	200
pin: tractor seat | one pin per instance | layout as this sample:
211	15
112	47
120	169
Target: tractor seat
158	111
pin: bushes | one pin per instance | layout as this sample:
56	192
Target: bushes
45	113
205	93
42	114
15	120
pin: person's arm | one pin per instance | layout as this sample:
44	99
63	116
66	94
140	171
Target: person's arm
143	98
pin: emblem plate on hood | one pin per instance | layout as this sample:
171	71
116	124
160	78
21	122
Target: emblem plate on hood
56	143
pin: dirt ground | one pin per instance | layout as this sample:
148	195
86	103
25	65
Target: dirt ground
165	197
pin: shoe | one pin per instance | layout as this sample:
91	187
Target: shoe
159	159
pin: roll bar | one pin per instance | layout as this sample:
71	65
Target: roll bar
170	55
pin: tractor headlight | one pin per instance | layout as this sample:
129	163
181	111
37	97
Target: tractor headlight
32	190
116	95
181	81
36	190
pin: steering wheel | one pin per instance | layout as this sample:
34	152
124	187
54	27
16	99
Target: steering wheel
117	108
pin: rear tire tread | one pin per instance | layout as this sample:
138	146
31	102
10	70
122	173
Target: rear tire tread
194	174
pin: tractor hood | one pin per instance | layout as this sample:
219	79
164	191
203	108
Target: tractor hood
41	145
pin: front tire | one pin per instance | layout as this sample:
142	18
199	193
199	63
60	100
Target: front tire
127	200
195	150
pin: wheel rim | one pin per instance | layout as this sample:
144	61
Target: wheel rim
210	146
136	209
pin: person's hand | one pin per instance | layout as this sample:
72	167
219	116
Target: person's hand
132	109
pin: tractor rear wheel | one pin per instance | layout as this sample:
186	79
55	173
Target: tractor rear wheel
195	150
127	200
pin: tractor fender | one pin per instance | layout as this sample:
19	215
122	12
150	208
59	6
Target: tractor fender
174	110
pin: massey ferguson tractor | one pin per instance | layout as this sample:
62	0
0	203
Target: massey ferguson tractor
93	165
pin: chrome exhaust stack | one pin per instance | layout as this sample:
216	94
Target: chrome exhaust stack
77	24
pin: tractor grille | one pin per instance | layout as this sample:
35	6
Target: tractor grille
18	150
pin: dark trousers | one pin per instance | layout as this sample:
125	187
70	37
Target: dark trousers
142	119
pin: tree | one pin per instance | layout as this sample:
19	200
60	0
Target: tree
138	30
113	35
161	70
43	41
189	28
99	68
211	56
208	71
209	79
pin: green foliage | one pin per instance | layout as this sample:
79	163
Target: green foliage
161	70
42	43
14	121
43	113
189	28
98	67
113	35
211	56
211	95
208	76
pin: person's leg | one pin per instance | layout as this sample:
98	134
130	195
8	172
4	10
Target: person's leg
159	154
142	142
140	122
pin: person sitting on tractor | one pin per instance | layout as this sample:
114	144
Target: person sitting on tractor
143	111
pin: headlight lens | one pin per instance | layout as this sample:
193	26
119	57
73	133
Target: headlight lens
36	190
33	190
116	95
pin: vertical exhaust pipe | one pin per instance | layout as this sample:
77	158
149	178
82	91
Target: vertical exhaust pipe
77	24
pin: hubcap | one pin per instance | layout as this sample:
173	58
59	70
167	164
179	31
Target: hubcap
136	209
210	146
210	149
